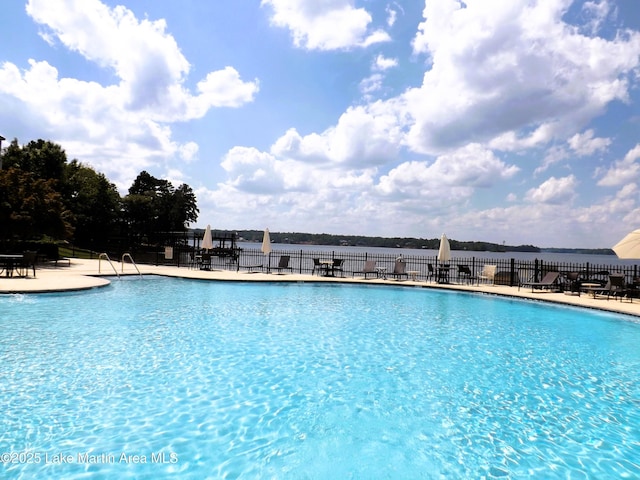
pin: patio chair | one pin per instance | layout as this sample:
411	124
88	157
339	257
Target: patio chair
572	284
465	274
368	269
431	272
205	261
633	289
319	267
400	270
194	260
283	264
548	282
488	273
337	266
28	262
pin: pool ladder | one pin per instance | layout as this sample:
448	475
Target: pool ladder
124	256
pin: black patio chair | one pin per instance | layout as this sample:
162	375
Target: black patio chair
465	274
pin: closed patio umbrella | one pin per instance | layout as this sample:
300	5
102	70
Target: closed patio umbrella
444	252
207	241
629	246
266	247
444	256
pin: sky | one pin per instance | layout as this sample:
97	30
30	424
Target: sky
514	121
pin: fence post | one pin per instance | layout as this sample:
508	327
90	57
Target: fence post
513	276
587	270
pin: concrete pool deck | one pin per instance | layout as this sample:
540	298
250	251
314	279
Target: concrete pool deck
86	274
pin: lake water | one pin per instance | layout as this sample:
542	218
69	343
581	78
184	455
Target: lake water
456	254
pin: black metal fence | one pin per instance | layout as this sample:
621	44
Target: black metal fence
509	270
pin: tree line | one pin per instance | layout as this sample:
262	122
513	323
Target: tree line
46	198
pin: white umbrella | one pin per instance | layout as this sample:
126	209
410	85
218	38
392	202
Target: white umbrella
629	246
266	243
207	242
444	252
266	246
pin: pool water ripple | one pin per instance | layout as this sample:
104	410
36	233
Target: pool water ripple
304	381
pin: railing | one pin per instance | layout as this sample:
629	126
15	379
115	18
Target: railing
510	271
106	257
128	255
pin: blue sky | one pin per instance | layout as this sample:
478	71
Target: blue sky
512	121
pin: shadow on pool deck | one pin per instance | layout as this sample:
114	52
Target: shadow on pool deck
87	274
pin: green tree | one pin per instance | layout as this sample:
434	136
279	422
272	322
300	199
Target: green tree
95	203
184	207
30	207
42	158
153	205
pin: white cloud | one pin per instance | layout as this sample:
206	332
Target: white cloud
554	191
223	88
585	144
382	63
374	82
371	84
580	144
451	176
129	116
327	25
598	12
253	171
189	151
514	67
623	171
554	155
392	16
364	136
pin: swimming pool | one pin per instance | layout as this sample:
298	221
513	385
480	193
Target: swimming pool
159	378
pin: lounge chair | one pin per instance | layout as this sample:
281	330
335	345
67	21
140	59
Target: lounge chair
283	264
488	273
252	268
400	270
56	257
465	274
368	269
616	287
526	275
548	282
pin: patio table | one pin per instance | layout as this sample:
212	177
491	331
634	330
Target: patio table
592	288
10	263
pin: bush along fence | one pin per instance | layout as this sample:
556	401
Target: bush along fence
509	270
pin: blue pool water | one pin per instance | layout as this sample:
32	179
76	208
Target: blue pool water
167	378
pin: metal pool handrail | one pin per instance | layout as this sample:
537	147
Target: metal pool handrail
105	256
128	255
